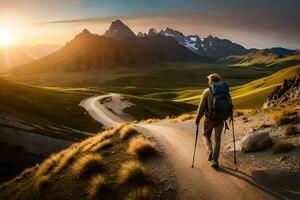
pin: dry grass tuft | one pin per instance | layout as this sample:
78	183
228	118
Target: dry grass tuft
150	121
67	158
241	112
141	147
132	172
87	164
282	147
97	139
128	131
102	145
48	164
97	185
24	174
27	172
42	181
140	194
290	130
184	117
286	116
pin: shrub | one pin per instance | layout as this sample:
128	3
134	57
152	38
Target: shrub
140	194
141	147
286	116
241	112
132	172
97	185
87	164
127	132
290	130
289	112
102	145
48	164
42	181
97	139
105	135
67	158
282	147
150	121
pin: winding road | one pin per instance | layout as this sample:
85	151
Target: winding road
201	182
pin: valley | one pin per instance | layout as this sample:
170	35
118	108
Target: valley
113	116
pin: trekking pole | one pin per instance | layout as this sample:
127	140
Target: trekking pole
234	149
196	139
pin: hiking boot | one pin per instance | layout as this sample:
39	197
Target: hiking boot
215	164
210	155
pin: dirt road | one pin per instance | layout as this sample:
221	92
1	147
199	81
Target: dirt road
177	140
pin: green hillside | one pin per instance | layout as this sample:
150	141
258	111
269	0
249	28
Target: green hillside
162	76
52	111
249	95
262	59
253	94
145	108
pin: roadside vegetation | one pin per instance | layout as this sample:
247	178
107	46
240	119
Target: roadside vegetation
141	147
128	131
286	116
282	147
290	130
104	166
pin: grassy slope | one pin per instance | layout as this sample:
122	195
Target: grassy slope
47	107
250	95
66	183
253	94
163	76
262	60
145	108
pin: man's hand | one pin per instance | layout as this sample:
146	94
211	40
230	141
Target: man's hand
197	121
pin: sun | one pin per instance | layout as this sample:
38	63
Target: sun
6	38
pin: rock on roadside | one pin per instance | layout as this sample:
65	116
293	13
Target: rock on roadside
256	142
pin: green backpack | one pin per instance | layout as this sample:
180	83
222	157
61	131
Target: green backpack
222	106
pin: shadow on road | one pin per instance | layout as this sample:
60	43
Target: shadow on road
280	185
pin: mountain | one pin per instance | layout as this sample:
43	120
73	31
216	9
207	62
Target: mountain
152	33
118	30
262	59
280	51
38	51
90	52
210	46
11	57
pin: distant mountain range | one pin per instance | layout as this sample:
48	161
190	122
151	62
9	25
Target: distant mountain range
119	47
11	57
210	46
215	47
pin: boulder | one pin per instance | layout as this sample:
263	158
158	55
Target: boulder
256	142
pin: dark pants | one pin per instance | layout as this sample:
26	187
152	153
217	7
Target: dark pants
209	125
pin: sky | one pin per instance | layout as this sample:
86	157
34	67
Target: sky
254	24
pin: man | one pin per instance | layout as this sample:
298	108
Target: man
216	105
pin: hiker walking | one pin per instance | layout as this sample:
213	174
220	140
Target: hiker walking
216	105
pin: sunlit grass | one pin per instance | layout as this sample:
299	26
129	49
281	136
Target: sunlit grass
141	147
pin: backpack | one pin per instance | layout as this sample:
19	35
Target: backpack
222	106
